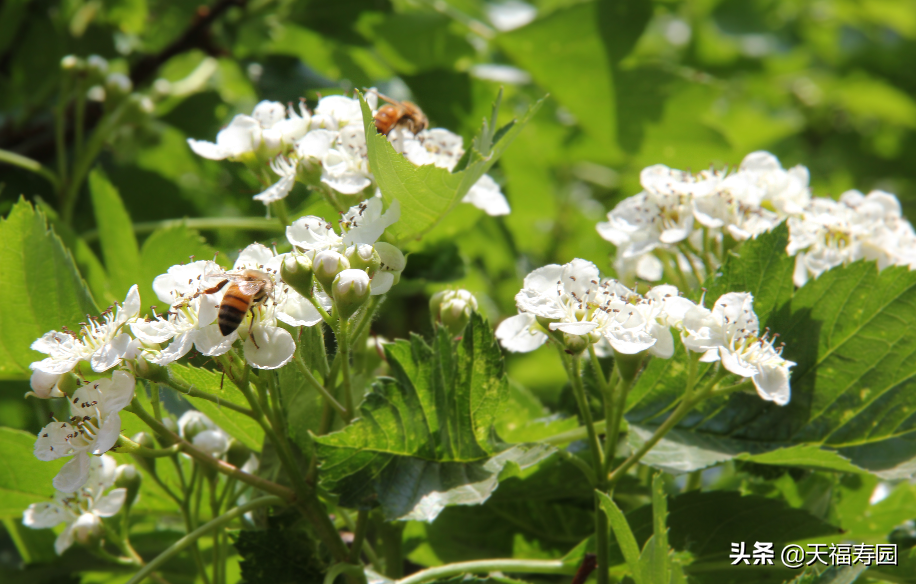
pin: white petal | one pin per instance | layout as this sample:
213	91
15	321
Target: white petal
118	392
177	349
370	222
735	364
316	144
275	347
242	135
73	475
55	366
154	331
649	268
211	342
213	442
111	353
296	310
313	233
710	356
43	515
574	328
664	347
486	196
108	434
44	385
254	255
393	259
630	341
381	283
207	149
346	183
269	113
111	503
64	540
516	333
52	441
772	384
277	191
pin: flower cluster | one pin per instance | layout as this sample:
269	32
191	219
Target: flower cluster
328	146
576	307
82	509
679	216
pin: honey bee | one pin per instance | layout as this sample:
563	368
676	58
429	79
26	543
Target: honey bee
400	114
247	289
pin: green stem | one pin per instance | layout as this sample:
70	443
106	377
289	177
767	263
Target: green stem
487	566
29	164
126	445
579	433
575	376
694	481
343	345
359	535
602	535
331	322
154	401
612	435
185	541
82	164
329	399
740	386
204	458
367	549
279	209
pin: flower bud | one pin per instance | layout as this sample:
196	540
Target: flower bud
70	63
128	478
575	344
296	270
44	385
143	369
213	442
87	529
191	423
350	290
326	265
453	309
364	257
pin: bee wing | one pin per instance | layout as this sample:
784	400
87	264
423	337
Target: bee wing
250	287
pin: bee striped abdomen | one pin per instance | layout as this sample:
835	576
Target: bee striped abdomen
232	310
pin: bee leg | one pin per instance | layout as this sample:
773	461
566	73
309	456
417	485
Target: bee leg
253	340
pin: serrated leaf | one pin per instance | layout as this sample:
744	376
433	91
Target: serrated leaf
238	425
23	478
428	193
43	287
682	451
626	541
116	234
425	439
163	249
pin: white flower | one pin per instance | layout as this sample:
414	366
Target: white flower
93	428
730	333
486	196
81	510
102	343
786	190
345	168
560	294
520	333
240	137
287	170
435	146
362	224
188	323
827	234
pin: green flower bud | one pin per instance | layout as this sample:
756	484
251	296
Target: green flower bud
326	265
128	477
453	309
350	290
364	257
143	369
575	344
296	270
68	383
629	365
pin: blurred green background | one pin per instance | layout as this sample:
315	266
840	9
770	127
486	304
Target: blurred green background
826	83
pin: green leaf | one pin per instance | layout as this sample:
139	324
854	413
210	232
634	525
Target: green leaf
23	478
572	53
425	439
832	575
682	451
43	285
654	558
760	266
284	552
428	193
412	42
116	234
239	426
626	541
164	249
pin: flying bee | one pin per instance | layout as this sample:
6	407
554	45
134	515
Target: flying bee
247	289
400	114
